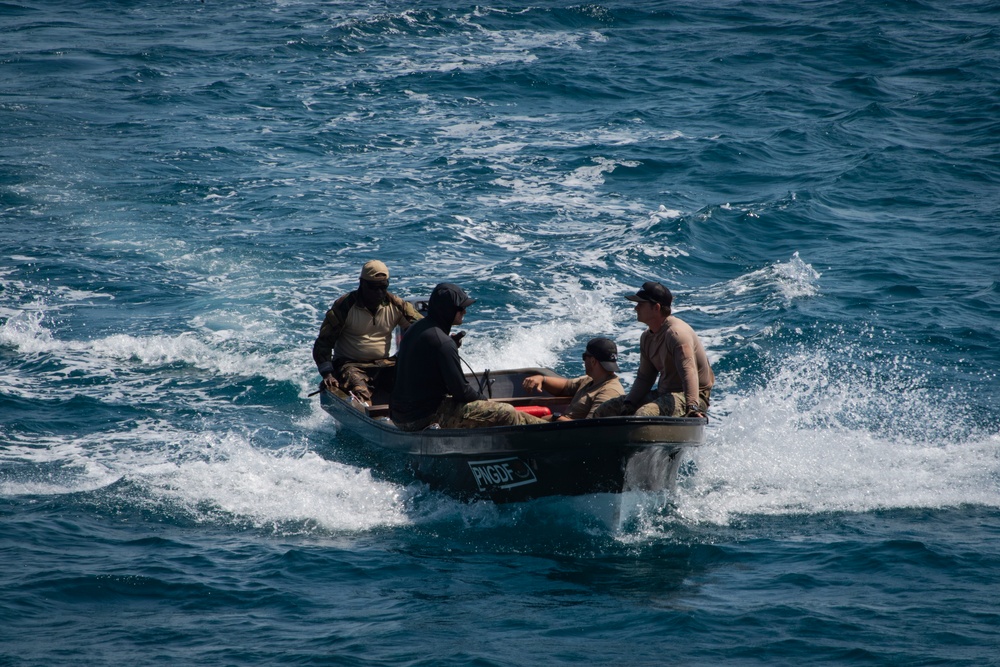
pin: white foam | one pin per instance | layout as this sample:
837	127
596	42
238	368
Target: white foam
816	439
465	130
127	366
285	490
664	213
593	176
70	466
775	285
24	331
568	318
577	192
213	477
485	232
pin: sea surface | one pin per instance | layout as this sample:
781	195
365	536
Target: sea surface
186	186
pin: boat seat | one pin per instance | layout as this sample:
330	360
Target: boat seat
377	411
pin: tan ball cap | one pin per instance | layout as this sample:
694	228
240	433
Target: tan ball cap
374	270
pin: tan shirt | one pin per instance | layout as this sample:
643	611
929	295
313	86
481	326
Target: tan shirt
676	354
357	335
368	337
587	396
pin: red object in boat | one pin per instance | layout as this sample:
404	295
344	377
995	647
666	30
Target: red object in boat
534	410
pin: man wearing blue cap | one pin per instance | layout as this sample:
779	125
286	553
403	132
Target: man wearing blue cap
671	350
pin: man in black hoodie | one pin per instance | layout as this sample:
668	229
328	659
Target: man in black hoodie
430	386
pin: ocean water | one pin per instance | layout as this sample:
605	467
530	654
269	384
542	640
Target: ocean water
185	187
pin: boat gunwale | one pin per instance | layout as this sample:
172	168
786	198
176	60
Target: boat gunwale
607	428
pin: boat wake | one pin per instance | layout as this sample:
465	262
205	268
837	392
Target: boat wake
814	439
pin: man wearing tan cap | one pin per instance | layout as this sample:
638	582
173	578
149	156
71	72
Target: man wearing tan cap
671	351
352	348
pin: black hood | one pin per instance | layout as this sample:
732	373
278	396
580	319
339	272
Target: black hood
446	300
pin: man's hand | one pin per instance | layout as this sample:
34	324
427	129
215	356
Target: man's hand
330	382
695	411
532	384
457	337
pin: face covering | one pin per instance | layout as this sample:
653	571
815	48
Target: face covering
373	294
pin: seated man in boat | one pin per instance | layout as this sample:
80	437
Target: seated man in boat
430	386
670	349
352	348
590	391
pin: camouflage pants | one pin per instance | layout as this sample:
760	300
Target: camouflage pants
476	414
359	377
667	405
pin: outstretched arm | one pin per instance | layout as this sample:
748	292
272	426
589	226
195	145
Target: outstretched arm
536	384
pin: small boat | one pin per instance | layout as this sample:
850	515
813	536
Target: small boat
518	463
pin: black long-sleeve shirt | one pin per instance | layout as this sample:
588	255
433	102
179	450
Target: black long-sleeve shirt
427	369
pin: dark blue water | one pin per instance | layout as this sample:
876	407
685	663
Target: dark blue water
185	187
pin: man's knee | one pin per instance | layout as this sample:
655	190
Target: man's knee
488	413
479	414
610	408
356	380
668	405
648	410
